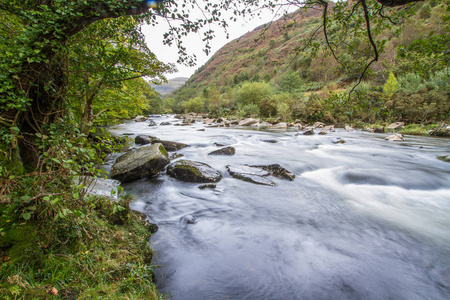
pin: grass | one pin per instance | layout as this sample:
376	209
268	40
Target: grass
418	129
105	255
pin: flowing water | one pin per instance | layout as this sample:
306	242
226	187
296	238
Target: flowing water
368	219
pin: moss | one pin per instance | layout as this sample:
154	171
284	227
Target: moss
163	151
188	169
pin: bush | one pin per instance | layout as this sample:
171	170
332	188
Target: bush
247	110
252	93
193	105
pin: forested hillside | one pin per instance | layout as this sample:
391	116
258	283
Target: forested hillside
286	69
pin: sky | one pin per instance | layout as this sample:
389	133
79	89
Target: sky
194	43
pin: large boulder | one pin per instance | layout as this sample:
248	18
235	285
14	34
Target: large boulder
193	171
169	145
224	151
139	163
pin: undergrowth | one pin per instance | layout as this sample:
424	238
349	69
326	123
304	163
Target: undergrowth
59	242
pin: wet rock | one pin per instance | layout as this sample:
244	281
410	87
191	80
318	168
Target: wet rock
190	219
207	186
277	171
395	126
248	122
152	123
209	121
140	119
308	132
270	141
445	158
323	132
224	151
170	146
395	137
329	128
146	161
258	173
251	174
164	123
175	156
144	139
338	141
193	171
202	129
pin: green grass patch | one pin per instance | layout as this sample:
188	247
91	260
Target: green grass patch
103	255
418	129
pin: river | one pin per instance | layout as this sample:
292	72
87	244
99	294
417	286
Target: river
367	219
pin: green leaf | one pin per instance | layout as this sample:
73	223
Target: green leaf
26	216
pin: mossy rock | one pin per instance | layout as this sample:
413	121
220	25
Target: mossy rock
445	158
192	171
143	162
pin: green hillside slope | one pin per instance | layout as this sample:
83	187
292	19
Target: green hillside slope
290	60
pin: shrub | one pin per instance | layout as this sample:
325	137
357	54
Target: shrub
247	110
252	93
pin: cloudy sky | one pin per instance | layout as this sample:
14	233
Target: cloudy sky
194	44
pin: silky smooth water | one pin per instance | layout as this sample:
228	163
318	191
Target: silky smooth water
368	219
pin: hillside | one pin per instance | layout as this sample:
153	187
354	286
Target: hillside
285	69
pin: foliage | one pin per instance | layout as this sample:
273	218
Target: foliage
248	110
252	93
391	86
193	105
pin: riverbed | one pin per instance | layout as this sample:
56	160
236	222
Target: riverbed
366	219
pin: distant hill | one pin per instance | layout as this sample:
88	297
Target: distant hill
170	86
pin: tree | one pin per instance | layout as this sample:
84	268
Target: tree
94	56
34	47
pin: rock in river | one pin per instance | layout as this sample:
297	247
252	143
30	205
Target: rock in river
144	139
193	171
169	145
143	162
250	174
224	151
259	174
